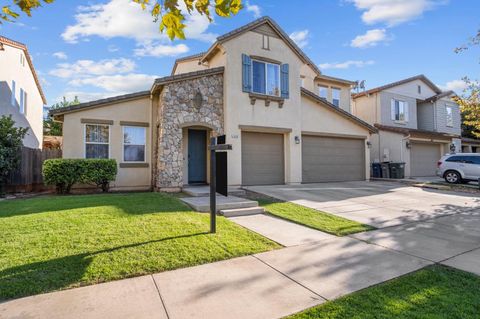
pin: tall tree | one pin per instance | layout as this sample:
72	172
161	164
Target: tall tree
52	128
11	142
166	12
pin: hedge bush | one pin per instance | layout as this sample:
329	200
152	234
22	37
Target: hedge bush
64	173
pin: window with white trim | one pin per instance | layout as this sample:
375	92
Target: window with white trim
97	139
323	92
336	96
266	78
449	116
134	139
399	111
13	97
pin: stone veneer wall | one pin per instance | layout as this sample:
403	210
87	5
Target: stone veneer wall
176	110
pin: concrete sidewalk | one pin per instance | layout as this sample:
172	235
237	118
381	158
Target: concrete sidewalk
267	285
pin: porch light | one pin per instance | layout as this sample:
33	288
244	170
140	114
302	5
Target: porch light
297	139
453	148
369	144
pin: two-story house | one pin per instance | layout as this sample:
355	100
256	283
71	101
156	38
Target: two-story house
21	94
417	123
287	122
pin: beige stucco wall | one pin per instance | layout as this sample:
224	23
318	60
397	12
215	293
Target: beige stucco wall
133	111
188	66
344	92
240	112
367	108
12	69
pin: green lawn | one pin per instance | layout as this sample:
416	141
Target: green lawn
435	292
59	242
313	218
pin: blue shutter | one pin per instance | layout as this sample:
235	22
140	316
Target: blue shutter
246	73
284	81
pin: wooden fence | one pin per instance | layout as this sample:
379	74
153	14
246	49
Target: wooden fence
28	177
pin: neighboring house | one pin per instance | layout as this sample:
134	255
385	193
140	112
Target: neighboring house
470	145
20	92
417	122
248	86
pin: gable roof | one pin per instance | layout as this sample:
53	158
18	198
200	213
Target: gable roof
21	46
97	103
338	110
187	58
393	84
185	76
254	24
439	96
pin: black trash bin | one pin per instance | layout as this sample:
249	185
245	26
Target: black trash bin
376	170
385	170
397	170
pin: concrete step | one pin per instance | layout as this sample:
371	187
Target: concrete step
242	211
204	190
202	204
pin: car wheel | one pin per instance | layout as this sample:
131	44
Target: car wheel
453	177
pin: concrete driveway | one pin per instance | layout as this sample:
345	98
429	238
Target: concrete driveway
377	203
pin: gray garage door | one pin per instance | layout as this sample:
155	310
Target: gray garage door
424	158
262	159
330	159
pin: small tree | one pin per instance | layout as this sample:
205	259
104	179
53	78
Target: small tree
10	146
52	128
469	103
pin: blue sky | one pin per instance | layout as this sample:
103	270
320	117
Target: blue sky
103	48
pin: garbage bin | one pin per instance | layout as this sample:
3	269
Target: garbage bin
385	170
376	170
397	170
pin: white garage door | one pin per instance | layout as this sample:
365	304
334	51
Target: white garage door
330	159
262	159
423	159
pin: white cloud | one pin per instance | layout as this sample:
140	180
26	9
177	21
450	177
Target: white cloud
254	9
300	37
393	12
85	68
455	85
113	48
160	50
369	39
124	18
346	64
60	55
118	83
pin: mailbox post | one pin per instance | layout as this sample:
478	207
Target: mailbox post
214	148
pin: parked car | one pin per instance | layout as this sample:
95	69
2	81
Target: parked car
459	168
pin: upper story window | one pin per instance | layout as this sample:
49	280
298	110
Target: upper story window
323	91
22	59
13	99
302	81
97	138
399	110
134	139
419	89
336	96
23	101
266	78
449	116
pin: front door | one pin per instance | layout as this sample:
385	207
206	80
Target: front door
197	156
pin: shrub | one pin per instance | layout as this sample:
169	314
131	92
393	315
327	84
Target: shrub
64	173
100	172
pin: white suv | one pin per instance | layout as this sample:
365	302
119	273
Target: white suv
459	168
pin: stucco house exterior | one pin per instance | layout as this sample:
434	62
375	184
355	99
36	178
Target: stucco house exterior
21	94
287	122
417	123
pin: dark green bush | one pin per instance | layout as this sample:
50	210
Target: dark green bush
100	172
64	173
